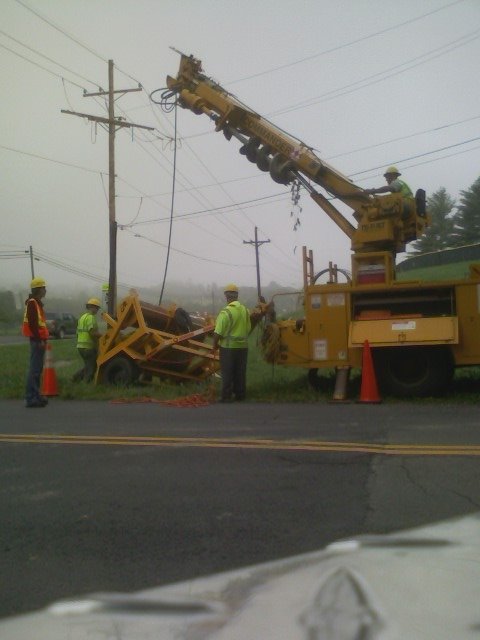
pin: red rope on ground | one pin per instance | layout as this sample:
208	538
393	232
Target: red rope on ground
193	400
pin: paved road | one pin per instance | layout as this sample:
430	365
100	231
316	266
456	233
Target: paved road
97	496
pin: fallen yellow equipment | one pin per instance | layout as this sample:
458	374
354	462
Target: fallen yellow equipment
146	340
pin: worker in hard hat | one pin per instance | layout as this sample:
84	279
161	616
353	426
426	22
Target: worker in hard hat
34	327
394	184
87	341
232	328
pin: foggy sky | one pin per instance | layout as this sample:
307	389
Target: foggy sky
414	85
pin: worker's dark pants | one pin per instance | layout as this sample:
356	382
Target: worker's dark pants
37	355
87	373
233	366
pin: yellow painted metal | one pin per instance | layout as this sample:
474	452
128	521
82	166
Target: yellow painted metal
339	317
140	333
384	223
373	306
467	295
401	331
328	310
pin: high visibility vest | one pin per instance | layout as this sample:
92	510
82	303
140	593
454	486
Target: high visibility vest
233	325
405	189
85	324
42	325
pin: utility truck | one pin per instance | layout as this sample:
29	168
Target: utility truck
418	332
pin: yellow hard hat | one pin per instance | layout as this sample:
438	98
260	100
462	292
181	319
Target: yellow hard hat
392	171
37	282
230	288
95	302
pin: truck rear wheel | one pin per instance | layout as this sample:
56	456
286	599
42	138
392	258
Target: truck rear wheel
413	371
120	371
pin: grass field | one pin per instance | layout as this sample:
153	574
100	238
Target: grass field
454	271
265	382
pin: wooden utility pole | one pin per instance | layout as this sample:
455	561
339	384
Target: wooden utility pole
113	125
257	243
31	262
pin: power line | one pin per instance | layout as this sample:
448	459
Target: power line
346	44
186	253
40	66
142	147
213	211
39	157
400	138
62	266
80	87
54	26
277	197
68	35
419	155
172	203
357	85
47	58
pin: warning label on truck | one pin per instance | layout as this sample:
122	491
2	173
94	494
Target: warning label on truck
319	349
405	325
336	299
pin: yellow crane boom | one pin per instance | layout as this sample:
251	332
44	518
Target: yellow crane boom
384	223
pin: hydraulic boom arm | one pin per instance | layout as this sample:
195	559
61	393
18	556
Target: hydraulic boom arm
384	224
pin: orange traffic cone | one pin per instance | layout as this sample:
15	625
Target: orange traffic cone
49	379
369	390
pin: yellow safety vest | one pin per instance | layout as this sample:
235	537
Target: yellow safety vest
86	323
233	325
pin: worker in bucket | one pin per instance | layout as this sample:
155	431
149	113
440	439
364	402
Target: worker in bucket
232	328
394	184
35	328
87	341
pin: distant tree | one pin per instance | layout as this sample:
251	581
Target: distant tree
8	310
439	234
467	216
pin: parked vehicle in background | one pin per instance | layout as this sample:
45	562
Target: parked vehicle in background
61	324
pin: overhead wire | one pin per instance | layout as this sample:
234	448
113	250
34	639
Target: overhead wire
71	37
66	164
172	204
419	155
42	55
396	70
164	97
63	80
321	53
431	160
40	66
186	253
69	268
215	210
400	138
59	29
345	44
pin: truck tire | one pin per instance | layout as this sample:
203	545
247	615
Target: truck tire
120	371
413	371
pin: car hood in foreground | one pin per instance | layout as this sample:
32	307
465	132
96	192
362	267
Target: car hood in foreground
418	584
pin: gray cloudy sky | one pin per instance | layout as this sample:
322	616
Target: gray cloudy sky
366	83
